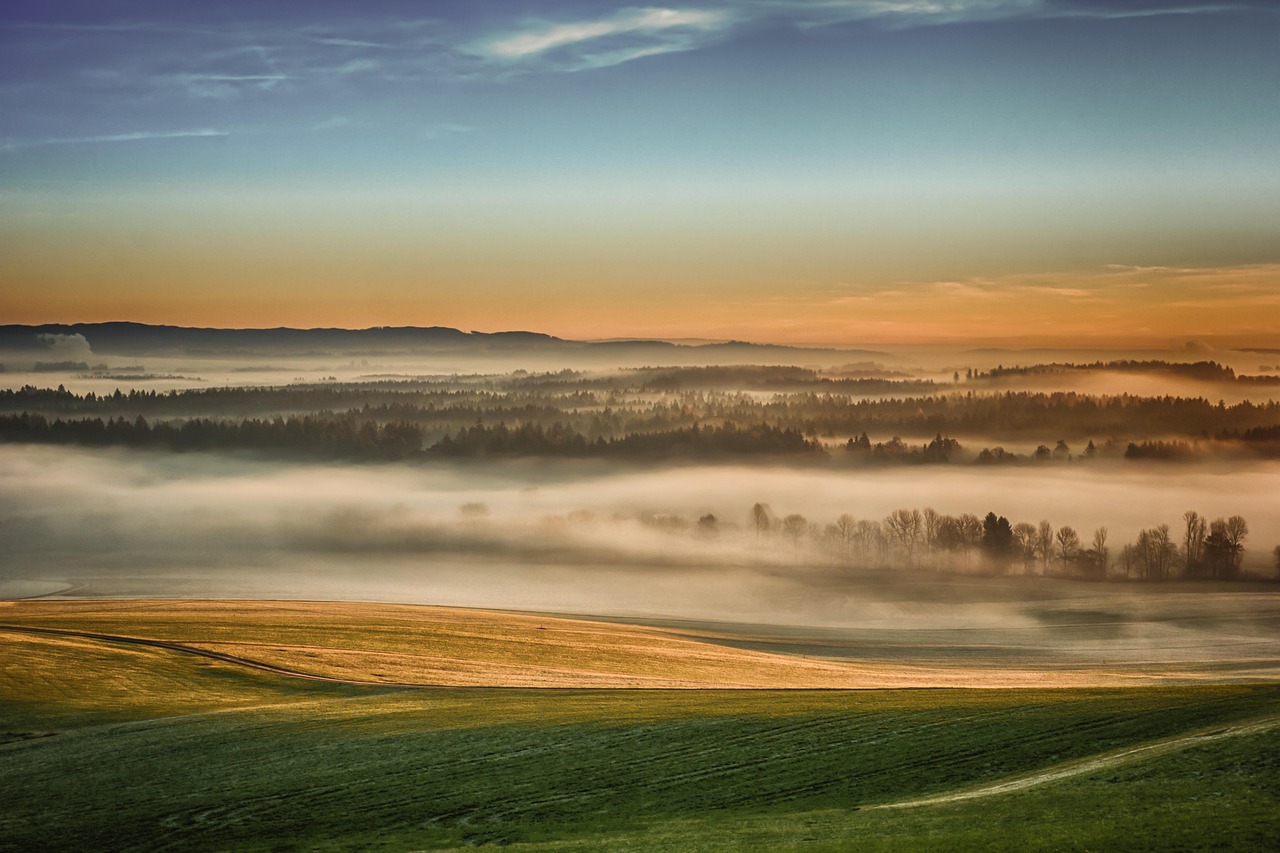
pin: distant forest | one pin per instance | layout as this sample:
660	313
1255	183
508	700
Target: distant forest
655	412
1207	371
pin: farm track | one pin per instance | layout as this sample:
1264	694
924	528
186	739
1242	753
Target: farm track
1082	766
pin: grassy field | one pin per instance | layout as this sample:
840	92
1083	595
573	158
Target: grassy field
460	647
137	748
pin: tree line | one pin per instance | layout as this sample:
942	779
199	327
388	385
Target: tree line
325	437
368	432
927	539
600	409
349	436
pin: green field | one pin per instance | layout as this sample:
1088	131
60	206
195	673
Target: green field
118	747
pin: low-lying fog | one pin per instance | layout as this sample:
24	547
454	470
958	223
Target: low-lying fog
569	537
104	373
602	538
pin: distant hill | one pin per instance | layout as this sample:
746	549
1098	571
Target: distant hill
140	339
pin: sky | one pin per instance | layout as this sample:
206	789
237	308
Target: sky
819	171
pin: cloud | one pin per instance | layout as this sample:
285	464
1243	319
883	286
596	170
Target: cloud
1048	290
1116	302
626	35
1120	13
632	33
135	136
357	66
965	290
224	60
645	21
909	13
345	42
65	347
820	13
436	131
333	123
227	85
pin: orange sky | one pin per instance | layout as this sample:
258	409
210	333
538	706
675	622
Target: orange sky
602	271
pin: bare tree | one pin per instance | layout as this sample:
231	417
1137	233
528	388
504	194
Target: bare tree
1157	552
1068	545
1237	530
905	526
795	526
1193	541
760	515
867	537
1128	558
846	527
1044	544
1145	554
970	531
931	519
1224	546
1100	553
1024	543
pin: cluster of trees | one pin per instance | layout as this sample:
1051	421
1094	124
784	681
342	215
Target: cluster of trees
1260	442
938	451
1201	370
779	379
329	437
395	431
1208	549
349	436
927	539
614	406
700	442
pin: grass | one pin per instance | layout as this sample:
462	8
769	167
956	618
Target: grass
148	750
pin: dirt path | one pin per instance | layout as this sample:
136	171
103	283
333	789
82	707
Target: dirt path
1082	766
205	653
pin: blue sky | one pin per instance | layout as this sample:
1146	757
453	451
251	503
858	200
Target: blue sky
756	157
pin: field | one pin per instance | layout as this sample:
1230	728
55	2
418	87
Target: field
113	745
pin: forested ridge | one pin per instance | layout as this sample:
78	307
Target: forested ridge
597	410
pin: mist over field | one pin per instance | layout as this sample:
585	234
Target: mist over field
620	508
583	537
196	508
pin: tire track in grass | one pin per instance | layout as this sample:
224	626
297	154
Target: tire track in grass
1083	766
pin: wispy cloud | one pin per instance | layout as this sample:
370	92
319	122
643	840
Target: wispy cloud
345	42
224	60
623	36
333	123
226	85
134	136
910	13
1121	302
631	33
966	290
819	13
628	22
1050	290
